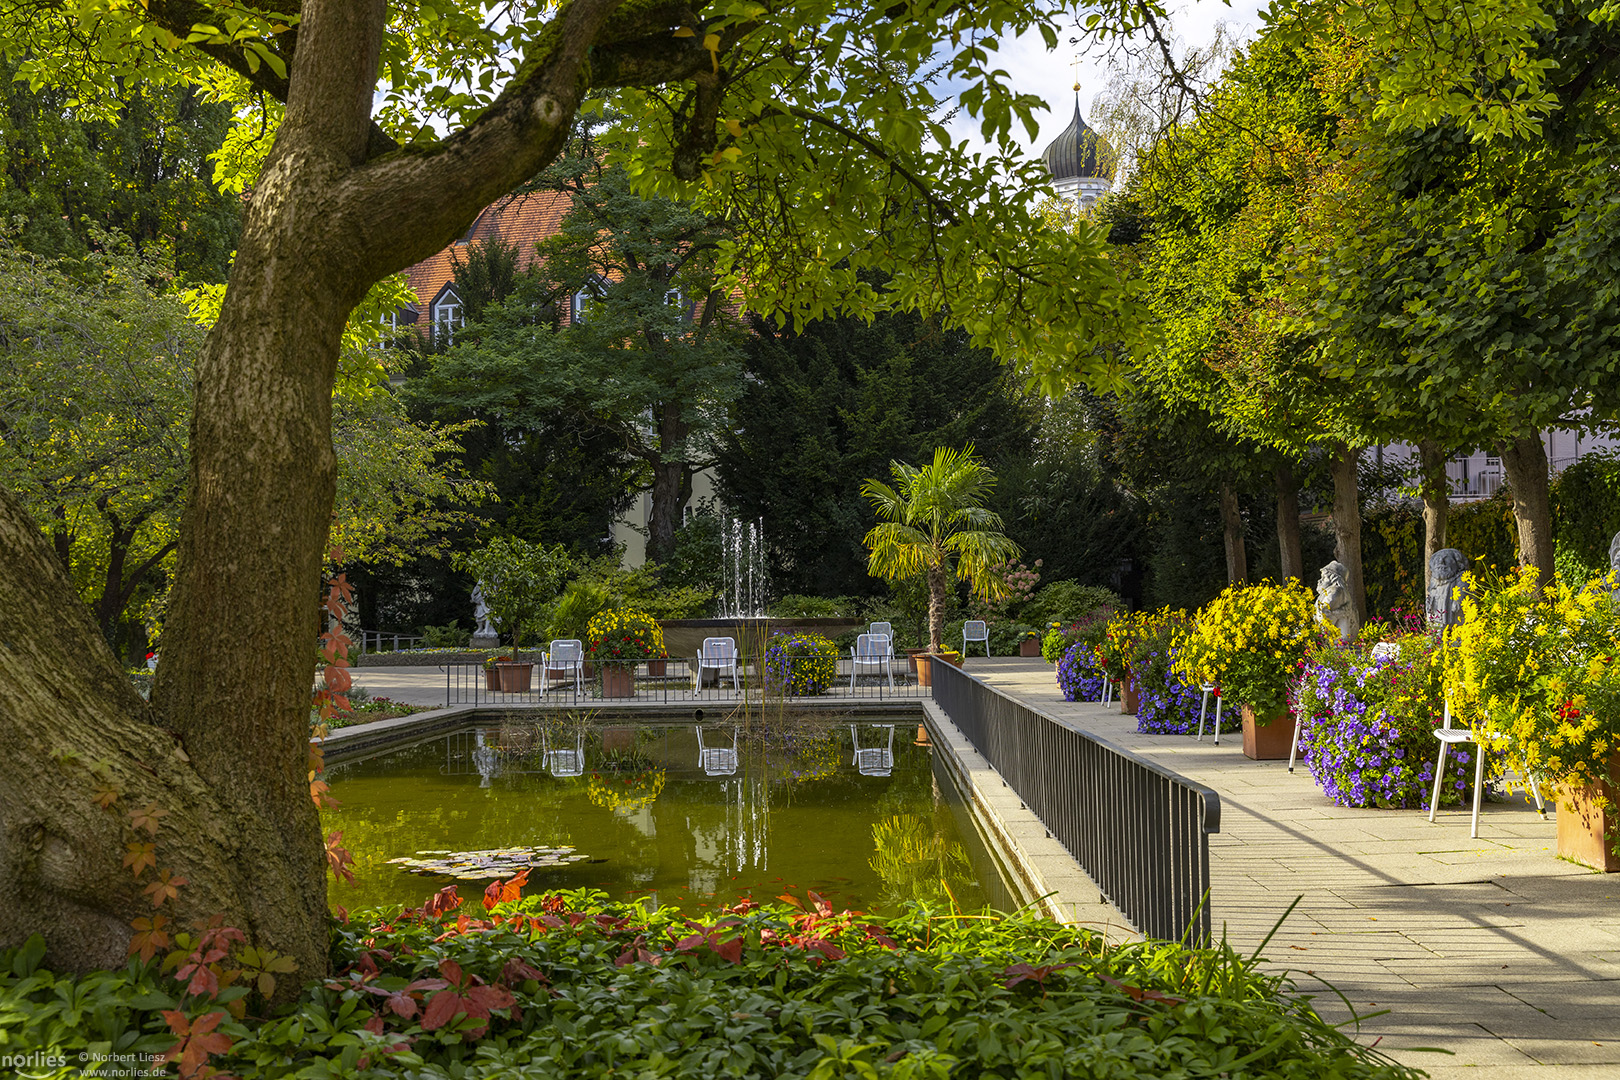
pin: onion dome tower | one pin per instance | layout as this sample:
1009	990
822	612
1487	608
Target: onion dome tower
1080	161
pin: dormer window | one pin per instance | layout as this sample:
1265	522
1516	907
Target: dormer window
580	305
448	315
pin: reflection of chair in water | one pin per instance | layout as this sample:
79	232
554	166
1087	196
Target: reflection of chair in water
565	762
871	651
719	655
717	760
873	760
566	655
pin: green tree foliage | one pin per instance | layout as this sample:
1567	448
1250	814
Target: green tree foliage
139	166
933	522
844	398
95	384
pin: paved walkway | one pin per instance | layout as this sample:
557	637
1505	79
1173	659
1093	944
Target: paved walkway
1492	949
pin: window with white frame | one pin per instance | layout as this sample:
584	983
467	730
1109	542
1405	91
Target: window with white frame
448	316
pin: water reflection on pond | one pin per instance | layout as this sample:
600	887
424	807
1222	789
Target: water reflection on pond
668	813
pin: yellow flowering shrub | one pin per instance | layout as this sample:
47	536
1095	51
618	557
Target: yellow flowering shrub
624	634
1251	642
1539	668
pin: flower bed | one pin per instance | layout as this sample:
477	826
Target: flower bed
1249	641
1367	726
1078	675
800	665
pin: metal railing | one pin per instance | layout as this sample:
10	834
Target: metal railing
372	641
671	681
1140	830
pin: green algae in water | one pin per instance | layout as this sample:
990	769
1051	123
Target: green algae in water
642	820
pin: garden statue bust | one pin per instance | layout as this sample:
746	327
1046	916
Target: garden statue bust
1443	605
1333	602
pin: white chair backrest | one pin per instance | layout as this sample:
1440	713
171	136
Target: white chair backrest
873	647
567	650
974	630
882	628
719	648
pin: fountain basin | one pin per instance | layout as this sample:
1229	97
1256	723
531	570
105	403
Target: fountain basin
684	637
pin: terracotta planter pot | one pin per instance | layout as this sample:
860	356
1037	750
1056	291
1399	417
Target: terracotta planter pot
1029	647
657	669
1267	742
911	658
617	681
492	679
1586	834
953	659
1128	695
922	664
516	676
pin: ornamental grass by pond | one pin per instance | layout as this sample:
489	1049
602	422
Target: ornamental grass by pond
570	985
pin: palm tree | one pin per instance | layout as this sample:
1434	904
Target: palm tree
933	519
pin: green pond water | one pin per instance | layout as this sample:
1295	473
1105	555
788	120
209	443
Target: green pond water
645	821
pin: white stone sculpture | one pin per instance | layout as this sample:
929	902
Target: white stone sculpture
1442	606
1334	605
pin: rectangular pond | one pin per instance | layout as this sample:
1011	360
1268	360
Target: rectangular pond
854	809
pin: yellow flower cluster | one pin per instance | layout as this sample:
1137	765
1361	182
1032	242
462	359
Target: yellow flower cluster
1250	641
624	634
1538	669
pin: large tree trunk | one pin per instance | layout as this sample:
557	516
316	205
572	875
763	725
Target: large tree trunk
1347	526
1237	558
1436	490
1288	545
1524	460
72	728
938	590
224	748
670	484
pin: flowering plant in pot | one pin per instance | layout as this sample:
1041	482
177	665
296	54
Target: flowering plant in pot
616	639
1367	721
1250	641
1540	669
800	665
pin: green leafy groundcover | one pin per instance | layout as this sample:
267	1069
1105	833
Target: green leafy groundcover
570	985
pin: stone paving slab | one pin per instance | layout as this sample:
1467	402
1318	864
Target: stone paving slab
1492	949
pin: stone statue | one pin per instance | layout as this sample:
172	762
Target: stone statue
1334	605
1442	606
484	635
1614	564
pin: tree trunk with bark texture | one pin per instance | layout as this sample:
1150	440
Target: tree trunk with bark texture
1288	544
1347	526
223	748
1524	461
1237	558
938	585
670	482
1436	502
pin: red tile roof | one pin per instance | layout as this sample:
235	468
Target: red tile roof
523	220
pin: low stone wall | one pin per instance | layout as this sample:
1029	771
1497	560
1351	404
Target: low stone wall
423	658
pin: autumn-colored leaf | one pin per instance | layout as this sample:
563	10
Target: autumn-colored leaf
441	903
164	889
149	817
107	793
505	892
139	857
198	1040
338	858
149	937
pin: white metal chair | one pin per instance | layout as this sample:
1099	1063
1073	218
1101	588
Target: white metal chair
1203	707
873	760
871	651
719	655
1449	737
566	655
881	628
975	630
564	762
717	760
1107	690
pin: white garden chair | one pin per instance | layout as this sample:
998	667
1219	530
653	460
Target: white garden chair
717	760
1449	737
719	655
566	655
1203	707
565	761
881	628
975	630
872	651
873	760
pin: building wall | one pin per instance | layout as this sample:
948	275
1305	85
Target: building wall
630	528
1479	475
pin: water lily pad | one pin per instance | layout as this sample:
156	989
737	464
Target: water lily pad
486	864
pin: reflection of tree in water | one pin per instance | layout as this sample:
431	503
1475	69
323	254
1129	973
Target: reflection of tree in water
916	862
